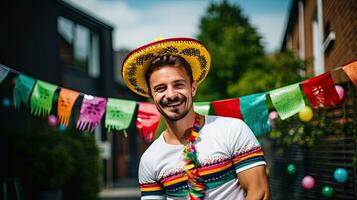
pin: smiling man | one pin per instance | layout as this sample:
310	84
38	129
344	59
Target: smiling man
196	157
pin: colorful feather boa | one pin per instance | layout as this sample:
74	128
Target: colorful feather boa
196	186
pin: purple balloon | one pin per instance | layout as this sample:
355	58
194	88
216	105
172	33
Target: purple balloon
308	182
340	91
52	120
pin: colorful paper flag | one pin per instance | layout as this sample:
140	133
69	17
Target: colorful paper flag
351	71
255	113
4	71
22	91
321	91
119	114
227	108
66	100
147	121
160	128
92	111
287	100
202	108
41	98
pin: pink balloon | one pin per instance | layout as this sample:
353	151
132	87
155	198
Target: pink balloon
52	120
340	91
273	115
308	182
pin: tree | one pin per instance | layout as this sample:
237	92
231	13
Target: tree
235	47
278	70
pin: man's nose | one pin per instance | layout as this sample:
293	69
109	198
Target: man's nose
171	93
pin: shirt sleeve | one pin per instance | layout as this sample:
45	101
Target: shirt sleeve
245	149
149	187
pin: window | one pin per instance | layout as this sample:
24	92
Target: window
317	47
79	47
93	69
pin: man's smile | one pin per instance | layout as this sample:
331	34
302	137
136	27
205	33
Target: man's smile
174	104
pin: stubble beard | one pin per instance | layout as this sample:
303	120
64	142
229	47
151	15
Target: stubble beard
161	108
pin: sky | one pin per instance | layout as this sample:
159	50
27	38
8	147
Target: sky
138	22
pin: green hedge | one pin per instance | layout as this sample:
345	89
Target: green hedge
46	159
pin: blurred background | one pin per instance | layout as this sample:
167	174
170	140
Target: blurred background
256	46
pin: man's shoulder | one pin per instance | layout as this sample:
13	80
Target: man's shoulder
152	150
225	126
214	120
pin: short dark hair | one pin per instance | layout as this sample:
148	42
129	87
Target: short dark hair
170	60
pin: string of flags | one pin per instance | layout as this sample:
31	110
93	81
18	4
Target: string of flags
288	100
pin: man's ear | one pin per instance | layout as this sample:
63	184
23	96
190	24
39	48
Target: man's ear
194	88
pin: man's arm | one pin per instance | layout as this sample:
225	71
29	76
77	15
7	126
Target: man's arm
255	182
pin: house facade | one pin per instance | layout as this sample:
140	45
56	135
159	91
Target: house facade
55	42
322	31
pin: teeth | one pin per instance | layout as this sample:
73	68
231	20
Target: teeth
175	104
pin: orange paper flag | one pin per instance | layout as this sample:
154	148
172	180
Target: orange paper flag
66	101
351	71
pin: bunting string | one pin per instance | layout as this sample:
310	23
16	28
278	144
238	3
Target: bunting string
39	95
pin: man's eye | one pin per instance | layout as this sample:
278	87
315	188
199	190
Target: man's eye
160	89
179	85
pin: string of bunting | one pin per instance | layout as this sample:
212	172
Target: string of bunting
288	100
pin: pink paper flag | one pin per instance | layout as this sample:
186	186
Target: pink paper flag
91	113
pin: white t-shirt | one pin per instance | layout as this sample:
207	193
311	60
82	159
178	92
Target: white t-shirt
226	147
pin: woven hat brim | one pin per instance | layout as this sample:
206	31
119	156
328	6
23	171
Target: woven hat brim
137	62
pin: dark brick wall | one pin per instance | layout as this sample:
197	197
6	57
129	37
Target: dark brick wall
342	19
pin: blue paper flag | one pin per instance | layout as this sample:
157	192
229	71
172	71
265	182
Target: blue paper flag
22	90
255	113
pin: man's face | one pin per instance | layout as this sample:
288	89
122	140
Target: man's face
172	92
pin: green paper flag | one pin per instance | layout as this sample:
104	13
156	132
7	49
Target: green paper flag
202	108
255	113
119	114
41	98
287	100
4	71
22	90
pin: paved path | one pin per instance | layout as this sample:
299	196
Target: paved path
127	193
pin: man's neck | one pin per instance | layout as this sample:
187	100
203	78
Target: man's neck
178	131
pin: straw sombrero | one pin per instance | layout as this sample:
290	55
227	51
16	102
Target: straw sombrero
137	62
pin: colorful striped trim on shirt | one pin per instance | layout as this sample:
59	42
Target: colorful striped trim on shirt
248	157
214	173
151	189
176	182
216	170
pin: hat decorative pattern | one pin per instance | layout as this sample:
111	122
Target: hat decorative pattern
136	64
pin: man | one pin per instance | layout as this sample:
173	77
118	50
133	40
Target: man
196	157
